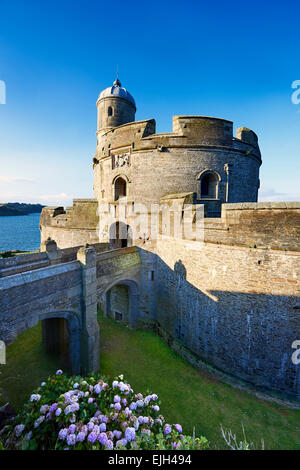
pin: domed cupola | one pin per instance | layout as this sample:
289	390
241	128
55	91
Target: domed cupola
116	106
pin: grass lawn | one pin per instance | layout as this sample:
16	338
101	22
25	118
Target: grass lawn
27	364
189	396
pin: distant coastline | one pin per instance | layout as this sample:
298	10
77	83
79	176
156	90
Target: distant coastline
17	208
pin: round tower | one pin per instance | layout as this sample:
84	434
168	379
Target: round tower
115	107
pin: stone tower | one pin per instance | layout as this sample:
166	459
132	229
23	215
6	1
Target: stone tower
115	107
200	162
200	156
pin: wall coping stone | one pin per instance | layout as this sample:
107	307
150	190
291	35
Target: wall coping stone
92	199
195	116
260	205
117	252
36	275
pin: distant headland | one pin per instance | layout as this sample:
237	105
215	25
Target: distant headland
17	208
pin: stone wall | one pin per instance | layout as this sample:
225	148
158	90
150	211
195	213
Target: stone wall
32	261
74	226
231	301
270	225
61	291
273	225
119	303
132	269
235	308
116	266
26	295
64	294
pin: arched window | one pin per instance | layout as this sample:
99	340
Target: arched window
208	185
120	188
110	111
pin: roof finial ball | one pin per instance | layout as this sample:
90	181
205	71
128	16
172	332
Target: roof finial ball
117	82
116	106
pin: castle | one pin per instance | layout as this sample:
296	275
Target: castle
229	300
200	159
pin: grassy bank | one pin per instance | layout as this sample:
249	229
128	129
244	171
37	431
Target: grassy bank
26	365
189	396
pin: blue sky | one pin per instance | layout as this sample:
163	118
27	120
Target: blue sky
234	60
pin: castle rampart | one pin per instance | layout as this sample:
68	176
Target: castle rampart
231	302
230	299
234	308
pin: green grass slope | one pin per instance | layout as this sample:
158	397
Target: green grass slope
189	396
27	364
192	397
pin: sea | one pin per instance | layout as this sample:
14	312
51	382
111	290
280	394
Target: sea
20	232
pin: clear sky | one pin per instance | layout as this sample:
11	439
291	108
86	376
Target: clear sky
235	60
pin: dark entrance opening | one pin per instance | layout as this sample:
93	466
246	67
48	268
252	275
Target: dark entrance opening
209	185
56	339
117	303
118	316
120	235
121	302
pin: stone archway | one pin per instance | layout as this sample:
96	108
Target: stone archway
120	188
121	301
61	334
208	184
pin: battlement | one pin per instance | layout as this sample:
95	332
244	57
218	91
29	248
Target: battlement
126	135
188	131
83	214
267	225
204	130
271	225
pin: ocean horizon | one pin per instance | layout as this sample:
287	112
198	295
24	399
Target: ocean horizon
20	232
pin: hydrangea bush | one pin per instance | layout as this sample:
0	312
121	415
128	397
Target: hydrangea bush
93	413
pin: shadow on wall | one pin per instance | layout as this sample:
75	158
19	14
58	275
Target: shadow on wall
246	335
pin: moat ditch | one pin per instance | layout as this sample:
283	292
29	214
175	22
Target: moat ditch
189	396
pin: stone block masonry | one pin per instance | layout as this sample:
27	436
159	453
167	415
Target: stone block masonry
65	291
231	301
64	295
90	334
235	308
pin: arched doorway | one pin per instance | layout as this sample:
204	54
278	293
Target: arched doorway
121	302
120	188
208	183
120	235
61	336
